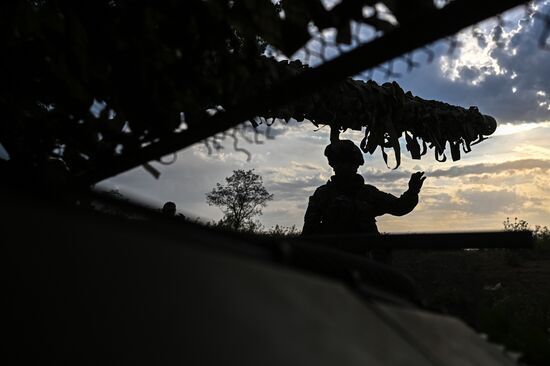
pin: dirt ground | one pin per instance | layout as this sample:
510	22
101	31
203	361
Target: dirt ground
502	293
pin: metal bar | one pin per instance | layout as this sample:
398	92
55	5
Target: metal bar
428	28
476	240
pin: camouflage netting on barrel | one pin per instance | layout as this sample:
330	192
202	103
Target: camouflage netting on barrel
387	113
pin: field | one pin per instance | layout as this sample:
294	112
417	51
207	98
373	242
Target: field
504	294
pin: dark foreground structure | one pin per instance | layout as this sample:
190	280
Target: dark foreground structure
89	288
92	89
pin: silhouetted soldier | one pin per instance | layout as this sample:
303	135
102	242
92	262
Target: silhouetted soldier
169	208
346	204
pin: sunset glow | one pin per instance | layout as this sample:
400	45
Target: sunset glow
507	175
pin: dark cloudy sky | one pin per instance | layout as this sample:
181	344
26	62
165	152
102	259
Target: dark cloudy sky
505	176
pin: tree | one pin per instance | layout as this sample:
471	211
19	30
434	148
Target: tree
240	199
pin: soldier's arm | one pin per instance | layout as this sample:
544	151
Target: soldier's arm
312	218
388	203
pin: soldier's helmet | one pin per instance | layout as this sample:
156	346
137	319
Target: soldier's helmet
342	151
169	208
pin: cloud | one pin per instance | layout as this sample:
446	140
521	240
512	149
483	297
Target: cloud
296	188
375	176
305	166
483	169
484	74
528	69
275	130
489	202
438	201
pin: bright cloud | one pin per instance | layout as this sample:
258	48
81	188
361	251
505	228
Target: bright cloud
511	128
474	61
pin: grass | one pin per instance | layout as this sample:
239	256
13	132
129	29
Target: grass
502	293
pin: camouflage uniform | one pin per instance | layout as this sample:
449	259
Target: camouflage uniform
346	204
351	206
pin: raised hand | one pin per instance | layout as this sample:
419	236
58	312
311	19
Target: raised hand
416	181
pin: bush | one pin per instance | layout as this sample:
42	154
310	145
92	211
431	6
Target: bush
283	231
541	234
542	238
516	225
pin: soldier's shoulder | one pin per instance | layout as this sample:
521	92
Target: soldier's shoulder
324	190
370	189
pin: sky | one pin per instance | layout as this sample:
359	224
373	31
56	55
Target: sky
502	71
